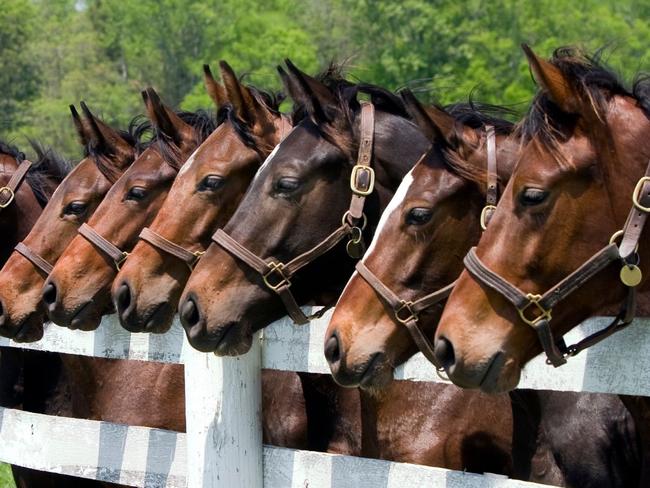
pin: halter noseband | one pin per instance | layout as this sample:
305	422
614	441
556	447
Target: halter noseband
115	253
542	305
277	275
407	312
8	193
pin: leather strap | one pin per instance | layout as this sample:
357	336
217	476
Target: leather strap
163	244
491	193
116	254
8	193
412	309
34	258
277	275
637	217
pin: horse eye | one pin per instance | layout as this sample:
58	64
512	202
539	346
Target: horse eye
211	183
136	193
418	216
532	196
287	184
75	208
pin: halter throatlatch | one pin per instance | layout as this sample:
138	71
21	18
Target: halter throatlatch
111	250
536	310
407	312
8	193
277	275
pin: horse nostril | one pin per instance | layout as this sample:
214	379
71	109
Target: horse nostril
49	294
189	314
332	349
123	298
444	352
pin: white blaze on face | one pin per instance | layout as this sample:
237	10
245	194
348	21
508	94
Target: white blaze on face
273	153
189	162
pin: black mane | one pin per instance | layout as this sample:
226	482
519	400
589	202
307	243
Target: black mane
12	151
48	166
203	123
591	78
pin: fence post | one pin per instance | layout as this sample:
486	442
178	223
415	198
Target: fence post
223	410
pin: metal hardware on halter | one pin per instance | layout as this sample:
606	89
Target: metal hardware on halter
636	194
347	220
358	185
276	268
120	262
534	299
486	214
197	255
4	190
408	306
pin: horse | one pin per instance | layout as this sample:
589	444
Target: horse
77	291
107	153
436	215
310	172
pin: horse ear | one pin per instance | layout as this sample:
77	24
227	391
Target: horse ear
79	127
435	123
313	94
215	89
247	107
552	80
164	118
289	84
106	139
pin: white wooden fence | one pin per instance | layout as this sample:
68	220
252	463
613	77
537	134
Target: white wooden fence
223	444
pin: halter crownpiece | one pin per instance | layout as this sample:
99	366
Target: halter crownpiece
406	312
8	193
536	310
277	275
115	253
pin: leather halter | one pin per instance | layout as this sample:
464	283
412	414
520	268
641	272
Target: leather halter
34	258
111	250
277	275
163	244
542	305
407	312
8	193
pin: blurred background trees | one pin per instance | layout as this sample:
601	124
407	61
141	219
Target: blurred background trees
57	52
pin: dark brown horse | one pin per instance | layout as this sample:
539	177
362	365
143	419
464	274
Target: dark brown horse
77	291
203	197
429	225
108	153
297	199
571	191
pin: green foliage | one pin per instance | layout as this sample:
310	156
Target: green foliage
6	479
57	52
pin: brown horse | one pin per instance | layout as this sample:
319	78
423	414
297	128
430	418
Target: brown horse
77	291
108	153
298	198
571	191
202	199
430	224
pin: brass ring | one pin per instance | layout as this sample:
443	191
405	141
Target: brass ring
346	216
620	233
484	215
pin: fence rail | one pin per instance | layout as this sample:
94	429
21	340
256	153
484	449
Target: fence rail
223	445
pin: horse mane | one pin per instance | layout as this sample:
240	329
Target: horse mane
227	113
476	115
202	121
594	80
137	135
13	151
48	166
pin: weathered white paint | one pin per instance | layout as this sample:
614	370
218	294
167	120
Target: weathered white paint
135	456
223	412
287	468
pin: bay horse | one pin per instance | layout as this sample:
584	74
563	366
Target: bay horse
77	291
423	235
203	197
108	152
587	147
310	173
296	200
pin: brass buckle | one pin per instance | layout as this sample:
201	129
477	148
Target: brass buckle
353	180
120	262
484	215
534	300
10	192
276	268
197	255
637	191
405	306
